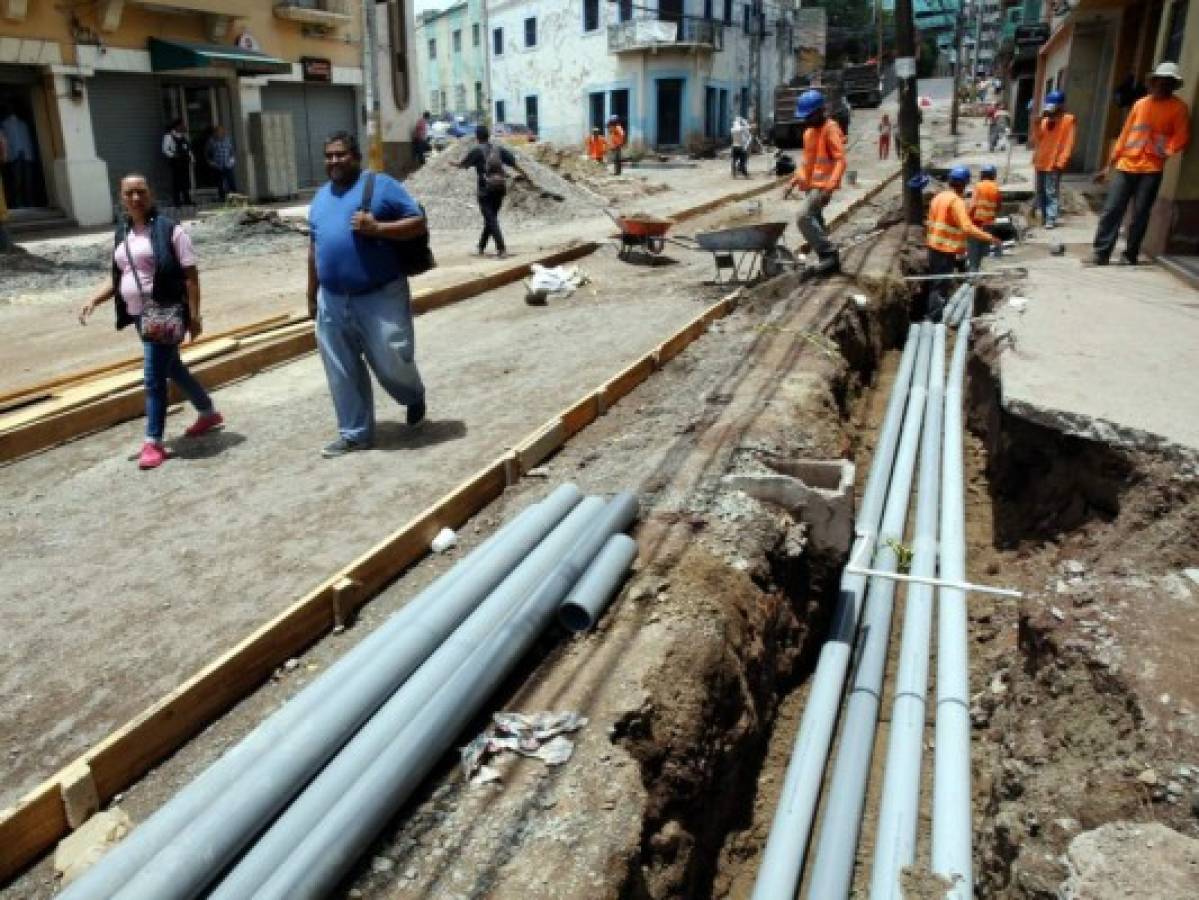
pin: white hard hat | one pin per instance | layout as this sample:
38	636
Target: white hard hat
1167	70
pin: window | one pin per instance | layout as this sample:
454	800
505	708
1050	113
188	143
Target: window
596	107
474	35
728	12
497	42
457	40
707	9
531	32
397	31
479	97
432	48
434	102
1174	32
531	113
460	98
625	10
591	15
618	105
500	113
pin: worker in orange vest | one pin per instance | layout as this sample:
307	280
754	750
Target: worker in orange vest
1157	128
948	229
983	209
818	175
1055	133
615	142
596	146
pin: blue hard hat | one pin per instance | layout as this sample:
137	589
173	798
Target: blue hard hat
1055	98
988	169
919	181
808	103
959	175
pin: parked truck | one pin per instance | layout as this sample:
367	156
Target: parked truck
862	85
786	131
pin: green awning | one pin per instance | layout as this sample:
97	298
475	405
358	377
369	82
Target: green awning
171	55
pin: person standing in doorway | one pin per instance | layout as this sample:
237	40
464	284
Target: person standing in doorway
488	160
19	168
741	136
1054	133
947	231
884	137
616	142
154	265
178	152
220	155
1157	128
358	293
818	176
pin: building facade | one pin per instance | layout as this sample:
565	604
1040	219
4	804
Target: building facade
98	83
453	61
674	71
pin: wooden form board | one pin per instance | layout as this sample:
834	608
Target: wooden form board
40	819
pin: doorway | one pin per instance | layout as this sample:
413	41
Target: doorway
531	117
202	107
22	177
670	11
596	107
670	112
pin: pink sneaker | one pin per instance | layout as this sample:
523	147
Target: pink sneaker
205	424
152	456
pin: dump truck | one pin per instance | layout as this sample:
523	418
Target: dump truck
862	85
786	132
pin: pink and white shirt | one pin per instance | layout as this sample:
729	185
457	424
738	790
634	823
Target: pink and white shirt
142	251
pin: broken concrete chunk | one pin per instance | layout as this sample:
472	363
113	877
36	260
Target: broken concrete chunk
1146	861
81	849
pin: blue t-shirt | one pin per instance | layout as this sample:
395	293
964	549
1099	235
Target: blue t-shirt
348	262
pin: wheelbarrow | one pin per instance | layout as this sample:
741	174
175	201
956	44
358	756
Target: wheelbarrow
747	252
645	233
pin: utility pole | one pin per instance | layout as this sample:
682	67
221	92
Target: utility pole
959	35
755	57
370	69
878	21
909	110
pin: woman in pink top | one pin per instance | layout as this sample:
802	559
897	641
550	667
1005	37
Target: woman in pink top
169	277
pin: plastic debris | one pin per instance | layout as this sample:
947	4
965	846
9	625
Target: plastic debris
539	735
446	540
558	282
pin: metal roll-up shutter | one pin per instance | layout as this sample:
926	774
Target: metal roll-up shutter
316	111
126	121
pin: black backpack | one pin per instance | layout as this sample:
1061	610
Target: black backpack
415	254
493	171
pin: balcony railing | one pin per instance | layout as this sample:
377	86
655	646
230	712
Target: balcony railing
315	12
652	34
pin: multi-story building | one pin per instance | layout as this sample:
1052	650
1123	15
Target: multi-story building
674	71
98	83
453	60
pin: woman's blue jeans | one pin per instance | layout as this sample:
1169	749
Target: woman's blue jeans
162	362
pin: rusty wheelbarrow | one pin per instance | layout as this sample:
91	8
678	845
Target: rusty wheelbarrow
646	233
749	251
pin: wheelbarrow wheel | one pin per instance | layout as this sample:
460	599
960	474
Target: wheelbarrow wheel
778	259
655	245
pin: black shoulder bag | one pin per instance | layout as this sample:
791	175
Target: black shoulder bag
415	254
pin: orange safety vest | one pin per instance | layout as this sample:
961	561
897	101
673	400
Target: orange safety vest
1155	129
949	224
615	137
823	158
596	147
1054	145
985	205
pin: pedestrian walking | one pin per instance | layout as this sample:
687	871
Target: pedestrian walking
358	292
420	137
947	231
997	127
1157	128
596	146
616	142
742	136
178	152
219	153
884	137
1055	133
983	208
18	167
488	160
155	286
818	176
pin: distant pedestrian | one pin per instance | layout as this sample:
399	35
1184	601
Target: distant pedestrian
18	169
884	137
1055	133
818	176
220	156
596	146
1157	128
742	137
997	127
616	142
947	231
488	160
420	138
178	152
156	287
358	293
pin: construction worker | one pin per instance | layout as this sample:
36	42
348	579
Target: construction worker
1055	132
1157	128
983	208
616	140
818	175
596	146
948	229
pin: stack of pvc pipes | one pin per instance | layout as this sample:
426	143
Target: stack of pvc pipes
287	812
923	413
960	306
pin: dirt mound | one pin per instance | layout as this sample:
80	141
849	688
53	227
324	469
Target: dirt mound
574	166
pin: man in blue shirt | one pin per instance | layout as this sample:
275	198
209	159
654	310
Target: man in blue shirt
358	294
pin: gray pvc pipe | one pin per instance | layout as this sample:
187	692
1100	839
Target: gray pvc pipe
323	855
895	843
952	830
312	805
582	609
836	847
783	858
402	637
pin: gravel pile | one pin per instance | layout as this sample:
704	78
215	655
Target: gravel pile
449	194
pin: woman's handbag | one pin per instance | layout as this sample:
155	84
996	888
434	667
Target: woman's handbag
158	324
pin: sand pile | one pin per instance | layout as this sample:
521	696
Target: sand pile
576	167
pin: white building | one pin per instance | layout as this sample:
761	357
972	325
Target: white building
674	71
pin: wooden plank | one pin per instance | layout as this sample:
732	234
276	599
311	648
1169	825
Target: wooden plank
701	209
627	379
680	340
540	446
30	828
576	418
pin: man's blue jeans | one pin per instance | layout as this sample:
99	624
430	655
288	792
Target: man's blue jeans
1049	185
160	362
375	330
